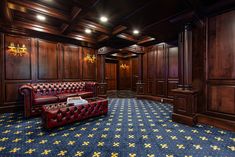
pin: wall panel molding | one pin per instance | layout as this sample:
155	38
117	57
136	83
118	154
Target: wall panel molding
46	61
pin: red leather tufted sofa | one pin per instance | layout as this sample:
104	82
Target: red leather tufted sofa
38	94
60	114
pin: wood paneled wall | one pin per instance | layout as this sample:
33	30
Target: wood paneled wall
125	75
220	66
45	61
160	70
135	74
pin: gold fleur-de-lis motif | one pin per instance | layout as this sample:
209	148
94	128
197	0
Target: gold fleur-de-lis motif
91	135
159	137
94	129
96	154
29	141
65	134
180	146
46	152
132	145
62	153
173	137
85	143
83	129
71	143
197	146
79	153
147	145
114	154
78	135
16	140
117	136
203	138
116	144
233	139
132	155
4	139
100	144
145	136
103	135
14	150
232	148
57	142
2	148
219	139
164	146
188	138
30	151
215	147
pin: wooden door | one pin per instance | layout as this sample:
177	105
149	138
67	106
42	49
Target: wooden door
134	73
111	75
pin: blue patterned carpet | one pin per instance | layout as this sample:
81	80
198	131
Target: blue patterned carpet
133	128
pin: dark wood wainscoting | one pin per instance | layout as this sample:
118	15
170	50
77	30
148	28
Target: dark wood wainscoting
220	66
160	70
45	61
125	75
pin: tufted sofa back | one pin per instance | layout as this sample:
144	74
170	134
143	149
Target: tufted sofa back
43	89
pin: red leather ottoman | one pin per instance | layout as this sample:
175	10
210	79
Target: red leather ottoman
60	114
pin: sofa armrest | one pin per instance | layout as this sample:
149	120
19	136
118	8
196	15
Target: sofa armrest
26	91
91	87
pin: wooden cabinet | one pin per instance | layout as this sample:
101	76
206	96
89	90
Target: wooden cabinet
185	106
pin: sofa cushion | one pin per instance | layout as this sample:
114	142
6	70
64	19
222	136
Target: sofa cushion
64	96
39	100
85	94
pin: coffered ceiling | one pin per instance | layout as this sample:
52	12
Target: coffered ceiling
156	20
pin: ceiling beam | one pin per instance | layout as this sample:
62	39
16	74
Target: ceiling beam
103	37
118	29
50	30
74	16
127	37
146	40
37	27
93	26
81	37
6	12
41	9
134	49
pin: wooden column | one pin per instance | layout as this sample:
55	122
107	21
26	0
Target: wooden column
140	84
102	88
185	97
185	57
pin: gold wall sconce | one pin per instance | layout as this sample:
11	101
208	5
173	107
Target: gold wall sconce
17	50
124	66
90	58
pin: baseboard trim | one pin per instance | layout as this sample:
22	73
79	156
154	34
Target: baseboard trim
12	108
155	98
216	122
183	119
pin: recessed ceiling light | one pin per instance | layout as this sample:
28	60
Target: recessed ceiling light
135	31
103	19
88	31
41	17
